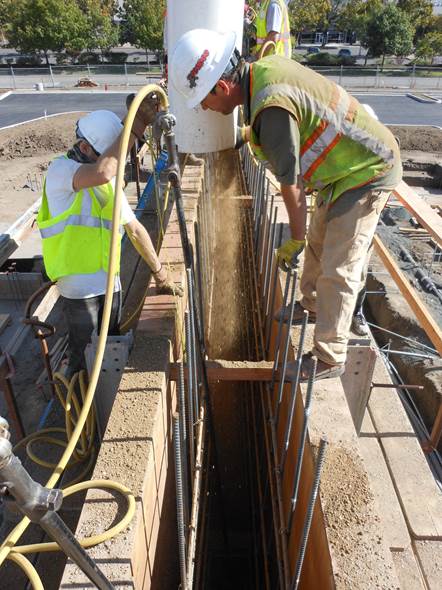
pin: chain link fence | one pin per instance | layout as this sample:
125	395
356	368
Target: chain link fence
401	78
64	77
351	77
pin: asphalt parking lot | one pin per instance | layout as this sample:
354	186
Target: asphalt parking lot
394	109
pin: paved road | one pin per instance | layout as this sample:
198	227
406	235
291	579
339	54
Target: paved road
16	108
402	110
391	109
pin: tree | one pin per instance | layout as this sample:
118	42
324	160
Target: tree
355	14
101	32
420	13
436	23
389	32
45	25
305	14
143	23
429	46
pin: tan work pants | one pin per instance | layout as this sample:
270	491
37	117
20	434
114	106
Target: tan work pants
336	251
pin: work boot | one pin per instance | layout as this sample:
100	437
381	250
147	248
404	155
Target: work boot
359	325
298	315
323	370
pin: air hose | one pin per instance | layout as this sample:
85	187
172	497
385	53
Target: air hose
9	548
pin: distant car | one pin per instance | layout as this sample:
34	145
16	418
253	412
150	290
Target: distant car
313	50
344	53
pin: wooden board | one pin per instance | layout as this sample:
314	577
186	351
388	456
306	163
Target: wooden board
423	212
420	310
221	370
416	488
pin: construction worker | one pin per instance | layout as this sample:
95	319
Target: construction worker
272	24
311	133
75	224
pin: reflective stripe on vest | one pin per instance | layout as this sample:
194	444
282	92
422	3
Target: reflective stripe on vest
83	220
282	36
284	43
328	118
77	241
338	120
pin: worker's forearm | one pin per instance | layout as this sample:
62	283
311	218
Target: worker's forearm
295	203
143	245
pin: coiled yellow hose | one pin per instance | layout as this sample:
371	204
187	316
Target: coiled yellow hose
9	548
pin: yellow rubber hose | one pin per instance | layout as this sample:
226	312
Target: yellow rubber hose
8	548
266	46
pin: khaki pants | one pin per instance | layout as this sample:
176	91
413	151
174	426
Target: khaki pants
338	243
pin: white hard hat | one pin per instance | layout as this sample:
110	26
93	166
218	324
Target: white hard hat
100	129
198	62
370	111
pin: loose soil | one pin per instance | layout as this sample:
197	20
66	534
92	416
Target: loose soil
25	153
346	501
425	139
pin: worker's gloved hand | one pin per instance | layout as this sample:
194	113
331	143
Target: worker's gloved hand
165	284
149	107
242	136
288	253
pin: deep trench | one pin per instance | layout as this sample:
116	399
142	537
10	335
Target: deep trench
228	548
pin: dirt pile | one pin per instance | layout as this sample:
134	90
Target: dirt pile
25	153
50	136
423	139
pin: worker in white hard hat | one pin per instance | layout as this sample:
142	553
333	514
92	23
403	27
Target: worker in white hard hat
312	134
75	224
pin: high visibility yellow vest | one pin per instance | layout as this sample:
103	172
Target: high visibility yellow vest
284	44
341	146
78	240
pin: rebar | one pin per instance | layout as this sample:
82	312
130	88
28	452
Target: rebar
268	312
200	297
196	498
283	367
300	454
271	483
273	213
193	365
183	442
257	196
278	336
415	342
277	473
309	516
263	230
180	501
190	406
411	354
294	390
267	240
